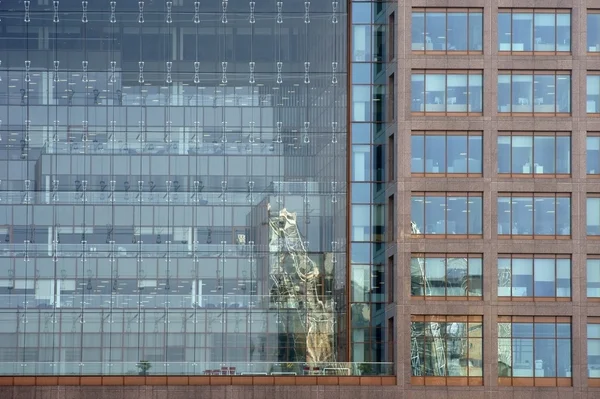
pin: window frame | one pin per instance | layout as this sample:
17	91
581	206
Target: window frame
592	11
447	72
555	73
446	257
446	133
533	12
536	381
595	195
447	195
590	74
534	298
592	381
591	257
587	164
446	11
533	172
473	323
554	236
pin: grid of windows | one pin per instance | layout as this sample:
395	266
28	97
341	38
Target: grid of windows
534	92
450	276
448	153
447	214
537	215
539	30
447	92
539	277
450	30
534	348
534	153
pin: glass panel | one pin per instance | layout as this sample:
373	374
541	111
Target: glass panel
544	155
361	73
563	93
361	223
545	32
435	23
475	215
417	90
417	273
435	215
522	220
504	357
457	154
563	278
563	358
593	278
522	277
417	163
435	87
418	31
593	155
435	276
593	331
417	213
361	13
563	34
361	103
563	216
504	31
522	154
475	161
545	216
504	216
361	163
504	93
361	43
475	31
475	277
563	155
504	154
522	95
504	277
361	283
593	32
475	93
457	31
545	358
456	215
435	154
593	94
522	32
544	277
522	357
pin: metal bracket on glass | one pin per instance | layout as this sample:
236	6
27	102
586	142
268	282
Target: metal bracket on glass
169	66
169	17
251	64
334	188
307	12
27	196
84	188
196	72
55	136
251	138
167	137
278	139
55	190
196	12
84	5
223	189
334	127
140	190
27	66
252	19
334	16
250	197
223	132
334	66
55	78
113	70
334	248
141	77
84	67
113	7
113	184
27	18
224	16
55	5
279	12
306	72
141	13
224	69
27	128
279	69
305	136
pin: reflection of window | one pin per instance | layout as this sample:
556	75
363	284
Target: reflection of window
447	214
452	275
593	93
447	30
449	92
543	215
537	347
534	92
593	31
441	152
532	153
522	276
537	31
446	346
593	347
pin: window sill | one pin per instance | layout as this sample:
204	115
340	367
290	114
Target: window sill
447	381
536	114
449	175
448	298
448	236
535	381
535	175
533	299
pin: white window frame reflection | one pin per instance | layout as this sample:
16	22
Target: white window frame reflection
433	36
445	215
447	92
534	153
534	92
522	215
543	31
522	277
447	153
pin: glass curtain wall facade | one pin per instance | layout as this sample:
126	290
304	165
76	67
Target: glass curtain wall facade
172	187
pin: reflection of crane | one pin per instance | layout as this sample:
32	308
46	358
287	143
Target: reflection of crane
295	280
436	354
